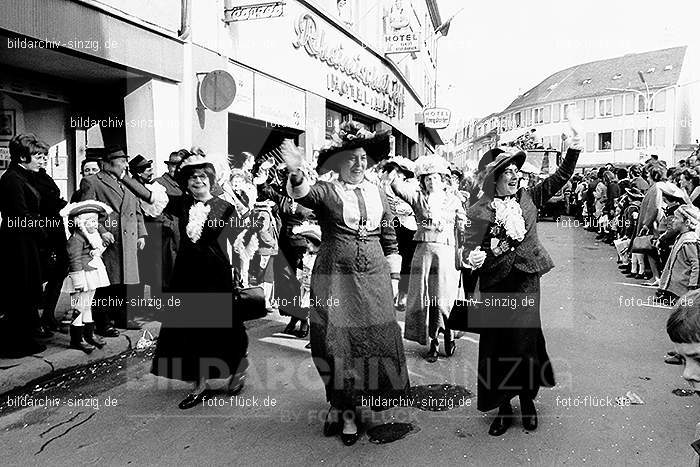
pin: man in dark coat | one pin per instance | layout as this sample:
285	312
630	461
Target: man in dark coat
171	230
54	257
22	231
126	227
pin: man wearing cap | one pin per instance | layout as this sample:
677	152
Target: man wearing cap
126	232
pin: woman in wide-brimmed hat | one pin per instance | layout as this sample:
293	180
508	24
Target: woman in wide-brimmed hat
432	287
355	338
502	249
202	342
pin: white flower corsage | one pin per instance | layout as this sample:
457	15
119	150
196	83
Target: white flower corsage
509	227
198	216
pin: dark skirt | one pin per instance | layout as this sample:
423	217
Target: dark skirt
287	286
203	336
356	342
513	356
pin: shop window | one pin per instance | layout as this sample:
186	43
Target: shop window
604	141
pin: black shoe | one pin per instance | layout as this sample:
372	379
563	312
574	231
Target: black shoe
192	399
331	427
450	344
303	330
527	407
90	337
107	332
432	356
290	329
349	439
76	340
502	421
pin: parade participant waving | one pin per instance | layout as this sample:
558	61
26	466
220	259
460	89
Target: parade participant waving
87	271
432	287
503	250
202	344
355	338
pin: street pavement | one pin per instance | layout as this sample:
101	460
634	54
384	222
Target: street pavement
601	342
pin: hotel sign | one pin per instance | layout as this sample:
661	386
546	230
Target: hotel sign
436	117
398	37
259	11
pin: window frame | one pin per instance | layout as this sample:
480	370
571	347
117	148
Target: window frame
608	103
600	141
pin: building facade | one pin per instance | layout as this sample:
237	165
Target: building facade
631	107
92	73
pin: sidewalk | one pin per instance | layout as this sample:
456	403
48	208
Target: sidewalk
18	372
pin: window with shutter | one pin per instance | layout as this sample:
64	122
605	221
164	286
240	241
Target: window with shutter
660	137
590	108
547	113
590	142
617	105
581	107
556	112
629	138
617	140
629	104
546	141
660	102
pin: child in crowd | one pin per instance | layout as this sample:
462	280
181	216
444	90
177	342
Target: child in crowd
312	234
86	270
683	266
683	328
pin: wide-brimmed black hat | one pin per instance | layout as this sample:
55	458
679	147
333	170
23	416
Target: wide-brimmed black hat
488	157
502	161
634	193
138	164
353	135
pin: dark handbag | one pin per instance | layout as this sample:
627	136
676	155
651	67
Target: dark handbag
463	314
248	302
642	244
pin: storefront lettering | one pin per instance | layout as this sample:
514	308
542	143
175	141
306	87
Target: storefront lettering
314	42
261	11
362	96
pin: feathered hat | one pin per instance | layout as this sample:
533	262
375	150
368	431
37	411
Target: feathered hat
352	135
426	165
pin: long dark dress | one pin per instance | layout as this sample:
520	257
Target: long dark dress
202	338
291	251
513	355
355	340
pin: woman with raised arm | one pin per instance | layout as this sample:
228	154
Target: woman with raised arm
502	248
355	339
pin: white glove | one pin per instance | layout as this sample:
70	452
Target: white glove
576	131
476	258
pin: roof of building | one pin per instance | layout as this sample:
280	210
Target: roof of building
659	67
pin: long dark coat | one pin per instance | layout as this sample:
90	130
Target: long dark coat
202	337
125	223
170	229
20	271
512	354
